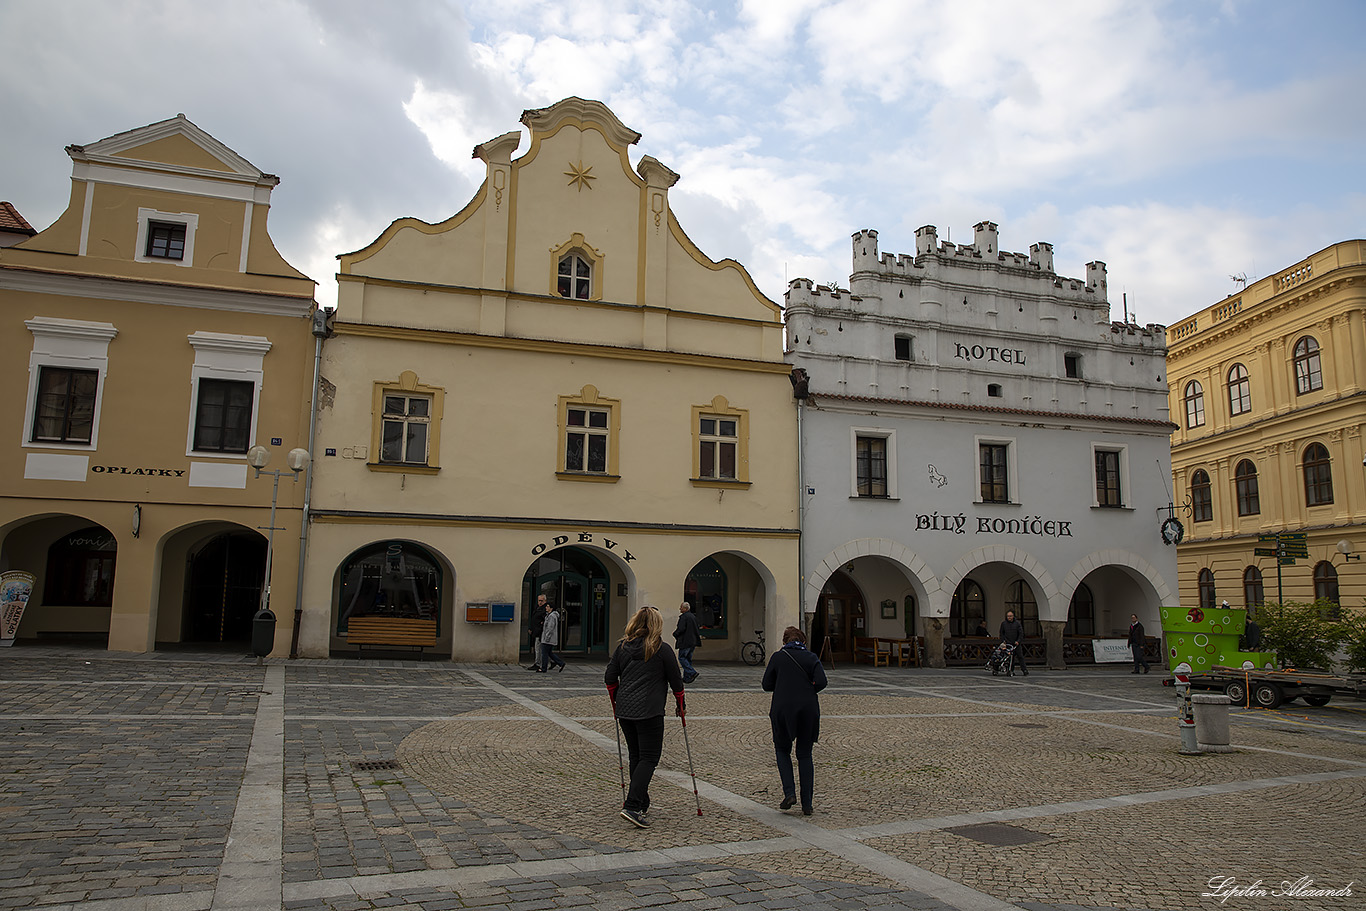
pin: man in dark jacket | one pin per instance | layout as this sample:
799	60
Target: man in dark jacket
1136	640
794	676
535	625
1012	632
687	637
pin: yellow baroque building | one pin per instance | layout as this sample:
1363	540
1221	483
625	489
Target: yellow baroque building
1268	391
552	392
152	335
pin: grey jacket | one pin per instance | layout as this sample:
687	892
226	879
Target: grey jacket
550	633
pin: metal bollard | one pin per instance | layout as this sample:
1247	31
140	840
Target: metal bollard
1211	722
1189	744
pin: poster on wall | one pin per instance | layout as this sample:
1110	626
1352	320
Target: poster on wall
1111	651
15	587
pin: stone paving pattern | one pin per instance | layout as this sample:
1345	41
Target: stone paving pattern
428	785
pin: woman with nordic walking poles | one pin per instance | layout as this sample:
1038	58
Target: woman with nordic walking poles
639	676
794	676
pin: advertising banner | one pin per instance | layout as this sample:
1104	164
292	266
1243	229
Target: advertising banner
1111	651
15	587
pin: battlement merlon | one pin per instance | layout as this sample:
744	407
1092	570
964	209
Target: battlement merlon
804	294
983	252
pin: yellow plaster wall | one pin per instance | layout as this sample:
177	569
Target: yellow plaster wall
175	150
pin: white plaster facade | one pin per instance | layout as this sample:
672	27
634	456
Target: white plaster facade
927	362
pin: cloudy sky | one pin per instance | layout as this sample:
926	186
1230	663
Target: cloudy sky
1181	142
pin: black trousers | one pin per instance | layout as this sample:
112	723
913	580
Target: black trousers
787	732
644	745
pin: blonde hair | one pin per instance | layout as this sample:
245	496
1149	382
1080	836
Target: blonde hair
648	626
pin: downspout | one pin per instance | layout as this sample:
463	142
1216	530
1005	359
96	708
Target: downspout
321	328
799	392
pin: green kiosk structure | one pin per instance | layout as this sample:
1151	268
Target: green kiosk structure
1208	637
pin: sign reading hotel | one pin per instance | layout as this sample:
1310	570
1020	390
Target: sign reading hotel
15	588
988	353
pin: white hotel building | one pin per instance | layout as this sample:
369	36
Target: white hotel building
978	436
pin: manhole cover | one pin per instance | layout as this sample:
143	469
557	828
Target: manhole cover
1027	725
376	765
992	833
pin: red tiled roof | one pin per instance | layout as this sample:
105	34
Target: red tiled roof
11	220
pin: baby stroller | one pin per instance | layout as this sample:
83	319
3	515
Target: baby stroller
1002	660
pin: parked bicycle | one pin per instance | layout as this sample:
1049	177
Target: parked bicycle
753	651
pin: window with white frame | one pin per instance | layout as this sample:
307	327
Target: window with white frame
1195	404
575	277
1308	366
872	473
586	437
1239	390
166	237
718	439
1109	489
407	427
225	392
67	367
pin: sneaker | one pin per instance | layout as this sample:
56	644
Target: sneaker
787	803
636	818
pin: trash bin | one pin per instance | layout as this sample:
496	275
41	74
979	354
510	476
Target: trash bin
263	633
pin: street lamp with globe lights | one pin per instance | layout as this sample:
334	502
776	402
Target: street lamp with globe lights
258	457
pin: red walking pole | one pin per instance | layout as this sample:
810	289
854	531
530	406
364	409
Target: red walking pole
683	718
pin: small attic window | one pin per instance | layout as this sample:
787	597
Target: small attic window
994	390
1072	365
166	240
902	347
575	277
166	237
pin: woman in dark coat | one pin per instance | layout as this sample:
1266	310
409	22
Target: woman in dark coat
639	675
794	676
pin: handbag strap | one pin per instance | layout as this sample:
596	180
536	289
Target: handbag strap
805	672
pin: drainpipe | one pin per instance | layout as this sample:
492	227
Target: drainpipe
800	382
321	328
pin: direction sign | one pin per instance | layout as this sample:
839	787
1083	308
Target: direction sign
1287	561
1292	536
1264	551
1295	552
1272	538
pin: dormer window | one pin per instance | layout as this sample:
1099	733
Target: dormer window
575	277
166	240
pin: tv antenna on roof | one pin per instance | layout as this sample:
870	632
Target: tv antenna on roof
1240	279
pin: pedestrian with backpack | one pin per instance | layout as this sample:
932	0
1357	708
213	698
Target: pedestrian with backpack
794	676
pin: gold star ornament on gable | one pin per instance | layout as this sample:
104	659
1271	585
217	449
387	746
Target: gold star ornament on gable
580	175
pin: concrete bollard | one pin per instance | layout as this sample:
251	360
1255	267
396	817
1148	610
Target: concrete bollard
1211	722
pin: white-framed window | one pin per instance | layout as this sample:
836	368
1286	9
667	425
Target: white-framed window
1111	475
407	428
166	237
872	469
996	470
589	427
1239	390
67	370
1194	396
718	446
225	393
574	276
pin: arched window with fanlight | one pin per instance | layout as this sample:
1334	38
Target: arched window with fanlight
1206	585
1326	582
1318	476
1308	369
1202	500
1195	404
390	579
705	588
967	607
1239	390
1245	482
1253	593
1020	599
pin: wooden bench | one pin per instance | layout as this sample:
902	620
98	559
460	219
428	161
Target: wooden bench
905	652
391	632
870	650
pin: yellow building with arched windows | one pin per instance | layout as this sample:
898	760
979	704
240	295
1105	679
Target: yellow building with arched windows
1268	391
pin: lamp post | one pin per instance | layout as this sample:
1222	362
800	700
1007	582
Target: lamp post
258	457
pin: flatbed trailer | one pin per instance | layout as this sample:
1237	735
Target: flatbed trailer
1270	688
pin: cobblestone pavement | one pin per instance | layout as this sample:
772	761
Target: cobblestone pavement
183	781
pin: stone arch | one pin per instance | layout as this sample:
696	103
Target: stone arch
1136	566
1026	563
918	573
